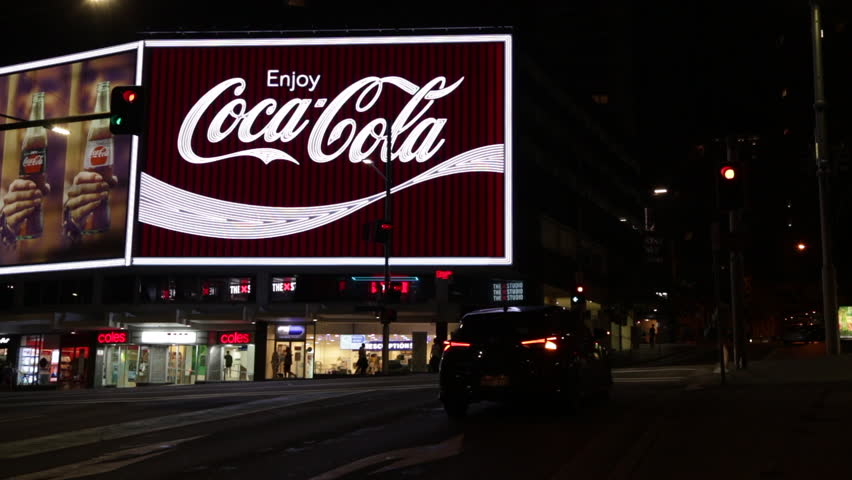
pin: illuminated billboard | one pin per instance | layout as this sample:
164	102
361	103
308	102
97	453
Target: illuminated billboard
259	152
64	191
844	318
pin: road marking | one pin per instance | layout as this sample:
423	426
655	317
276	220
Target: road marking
404	457
648	379
106	463
200	396
26	417
34	446
651	370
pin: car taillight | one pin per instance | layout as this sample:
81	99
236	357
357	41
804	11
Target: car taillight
549	343
448	344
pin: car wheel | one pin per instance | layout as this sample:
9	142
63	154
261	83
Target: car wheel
456	407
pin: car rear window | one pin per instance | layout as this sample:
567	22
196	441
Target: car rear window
514	325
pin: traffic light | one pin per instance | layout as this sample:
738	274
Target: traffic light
729	181
382	230
127	110
578	300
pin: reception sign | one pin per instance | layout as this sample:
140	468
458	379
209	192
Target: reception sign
259	152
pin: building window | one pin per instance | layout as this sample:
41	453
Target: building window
601	98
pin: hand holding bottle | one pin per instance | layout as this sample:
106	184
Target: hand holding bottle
88	191
21	200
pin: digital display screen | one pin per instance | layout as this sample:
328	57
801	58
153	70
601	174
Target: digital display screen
264	158
64	190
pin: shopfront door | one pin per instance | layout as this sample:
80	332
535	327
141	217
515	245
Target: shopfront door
296	350
121	365
181	358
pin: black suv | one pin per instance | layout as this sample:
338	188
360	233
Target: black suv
522	353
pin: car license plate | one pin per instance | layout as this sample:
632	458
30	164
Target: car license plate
494	381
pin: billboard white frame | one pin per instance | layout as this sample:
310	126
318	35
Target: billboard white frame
505	260
131	195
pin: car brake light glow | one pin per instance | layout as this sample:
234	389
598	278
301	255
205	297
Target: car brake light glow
548	342
448	344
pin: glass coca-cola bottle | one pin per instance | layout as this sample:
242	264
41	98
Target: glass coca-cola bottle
98	159
34	167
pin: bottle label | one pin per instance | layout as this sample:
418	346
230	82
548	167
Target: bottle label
33	160
98	153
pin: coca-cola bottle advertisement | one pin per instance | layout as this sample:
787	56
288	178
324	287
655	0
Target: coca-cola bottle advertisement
63	186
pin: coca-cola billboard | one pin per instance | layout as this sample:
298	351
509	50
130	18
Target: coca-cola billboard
64	187
258	151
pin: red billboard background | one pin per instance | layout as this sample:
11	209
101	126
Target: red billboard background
447	217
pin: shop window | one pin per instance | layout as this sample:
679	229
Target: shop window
32	294
39	360
75	291
7	295
167	289
336	346
118	290
283	289
600	99
235	289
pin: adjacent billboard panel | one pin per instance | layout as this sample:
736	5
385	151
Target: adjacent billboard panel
64	196
844	318
258	151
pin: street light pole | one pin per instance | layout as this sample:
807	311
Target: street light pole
388	219
829	286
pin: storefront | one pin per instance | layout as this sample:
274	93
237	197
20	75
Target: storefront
231	356
128	359
289	351
54	359
336	345
9	345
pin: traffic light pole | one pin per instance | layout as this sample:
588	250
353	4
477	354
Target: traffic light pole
50	122
829	285
737	316
717	312
386	292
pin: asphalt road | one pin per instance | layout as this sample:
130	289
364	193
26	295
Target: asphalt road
662	422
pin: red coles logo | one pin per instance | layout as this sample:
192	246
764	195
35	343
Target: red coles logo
112	337
234	337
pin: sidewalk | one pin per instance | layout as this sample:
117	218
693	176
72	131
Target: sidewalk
645	354
803	370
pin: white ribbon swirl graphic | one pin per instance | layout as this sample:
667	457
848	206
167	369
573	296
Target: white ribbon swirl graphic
166	206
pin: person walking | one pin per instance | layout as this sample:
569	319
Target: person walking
361	364
652	336
288	363
229	362
7	375
276	364
435	359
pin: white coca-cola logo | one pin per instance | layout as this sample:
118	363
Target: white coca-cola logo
99	155
33	160
416	136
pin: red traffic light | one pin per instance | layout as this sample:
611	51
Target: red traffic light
386	226
728	173
580	289
129	96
